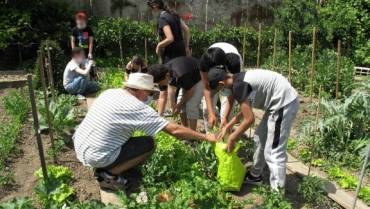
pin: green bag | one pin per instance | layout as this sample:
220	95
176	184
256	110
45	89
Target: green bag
230	171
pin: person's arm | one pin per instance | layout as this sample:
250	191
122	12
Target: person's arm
73	41
85	71
167	41
187	35
228	108
212	119
186	133
247	113
91	46
172	95
162	101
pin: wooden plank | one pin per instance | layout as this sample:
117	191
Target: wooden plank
342	197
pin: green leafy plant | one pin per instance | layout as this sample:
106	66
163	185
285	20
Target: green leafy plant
345	180
18	203
111	78
272	199
365	194
54	191
312	190
17	105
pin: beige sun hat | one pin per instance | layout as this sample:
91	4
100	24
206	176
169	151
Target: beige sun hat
141	81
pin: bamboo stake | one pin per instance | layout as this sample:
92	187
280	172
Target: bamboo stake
274	50
206	21
36	126
259	45
50	71
362	175
46	99
313	62
338	69
146	49
290	56
313	146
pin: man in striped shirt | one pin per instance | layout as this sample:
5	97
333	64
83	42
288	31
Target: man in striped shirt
104	138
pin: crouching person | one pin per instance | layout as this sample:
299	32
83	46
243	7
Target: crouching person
76	75
180	74
271	92
104	138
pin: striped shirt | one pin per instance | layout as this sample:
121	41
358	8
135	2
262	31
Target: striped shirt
110	122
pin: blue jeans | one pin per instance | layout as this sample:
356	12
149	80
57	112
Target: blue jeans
81	85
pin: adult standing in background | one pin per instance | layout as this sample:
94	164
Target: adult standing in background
173	32
82	35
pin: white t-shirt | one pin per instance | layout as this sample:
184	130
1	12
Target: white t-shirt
265	89
70	72
110	122
227	48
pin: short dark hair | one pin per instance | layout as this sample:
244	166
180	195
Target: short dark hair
77	50
233	63
137	60
215	75
158	72
212	57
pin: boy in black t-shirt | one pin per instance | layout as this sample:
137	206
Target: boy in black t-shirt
82	36
180	73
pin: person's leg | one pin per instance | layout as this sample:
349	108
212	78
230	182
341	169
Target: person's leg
192	106
279	126
260	137
92	87
184	119
134	152
73	87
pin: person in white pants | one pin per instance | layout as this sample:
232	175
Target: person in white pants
181	74
271	92
225	55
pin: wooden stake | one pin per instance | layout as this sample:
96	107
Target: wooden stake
244	40
259	45
50	71
206	21
313	145
46	99
37	127
274	50
146	49
362	175
338	69
290	56
313	62
121	53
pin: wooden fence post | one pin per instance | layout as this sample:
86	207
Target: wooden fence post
313	145
244	46
259	45
121	52
338	69
37	127
313	62
50	71
206	19
146	50
46	99
274	50
290	57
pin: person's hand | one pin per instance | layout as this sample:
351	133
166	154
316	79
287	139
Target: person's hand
177	109
90	56
188	51
158	50
224	131
212	119
211	138
230	145
223	122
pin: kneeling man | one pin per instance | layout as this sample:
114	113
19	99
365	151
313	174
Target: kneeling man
271	92
104	138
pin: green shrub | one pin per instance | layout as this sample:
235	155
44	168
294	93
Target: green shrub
312	190
17	105
272	199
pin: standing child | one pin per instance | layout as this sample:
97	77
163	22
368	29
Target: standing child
271	92
82	35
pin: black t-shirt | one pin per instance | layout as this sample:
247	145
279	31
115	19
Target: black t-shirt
241	89
82	37
177	47
184	72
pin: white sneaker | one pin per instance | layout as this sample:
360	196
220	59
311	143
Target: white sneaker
81	97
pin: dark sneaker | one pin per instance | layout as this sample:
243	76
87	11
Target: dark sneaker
110	182
253	180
